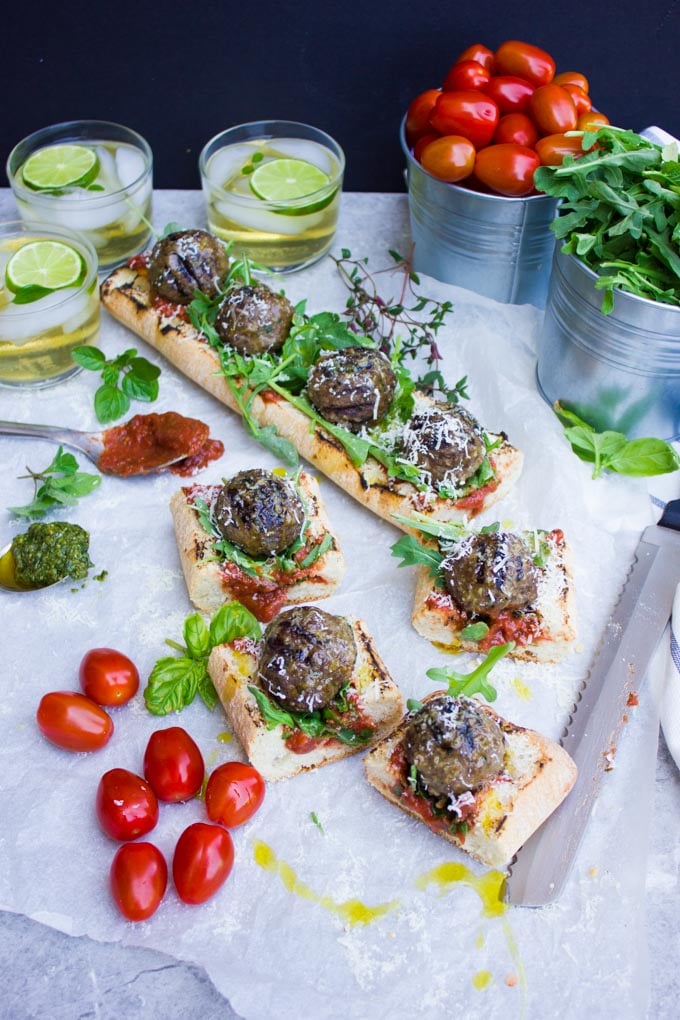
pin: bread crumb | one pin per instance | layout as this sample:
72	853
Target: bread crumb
511	980
593	872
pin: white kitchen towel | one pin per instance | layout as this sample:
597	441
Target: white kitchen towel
669	704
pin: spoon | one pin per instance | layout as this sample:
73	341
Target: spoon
8	577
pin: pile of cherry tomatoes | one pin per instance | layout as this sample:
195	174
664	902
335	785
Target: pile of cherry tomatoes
498	117
127	804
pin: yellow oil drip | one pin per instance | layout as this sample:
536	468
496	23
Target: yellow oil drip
225	737
480	940
522	690
351	911
488	886
482	979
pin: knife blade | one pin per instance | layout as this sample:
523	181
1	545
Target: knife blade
541	868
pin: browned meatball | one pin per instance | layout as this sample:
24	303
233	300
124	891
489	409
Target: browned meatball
490	572
186	261
455	746
352	387
254	319
446	442
307	656
259	512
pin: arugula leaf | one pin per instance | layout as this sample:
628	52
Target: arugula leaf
412	553
319	723
476	682
139	380
59	484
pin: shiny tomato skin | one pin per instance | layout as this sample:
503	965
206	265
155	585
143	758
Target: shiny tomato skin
450	158
173	764
422	142
138	879
126	806
552	149
73	722
418	114
525	61
108	676
479	53
592	121
464	75
509	93
581	99
507	169
234	793
572	78
202	861
516	128
470	114
552	110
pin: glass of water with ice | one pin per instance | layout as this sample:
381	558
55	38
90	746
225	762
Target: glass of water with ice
272	188
91	176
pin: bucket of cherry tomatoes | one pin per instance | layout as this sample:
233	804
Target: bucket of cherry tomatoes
472	146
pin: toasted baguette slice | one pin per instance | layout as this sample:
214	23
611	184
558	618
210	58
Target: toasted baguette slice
212	582
544	633
126	295
233	668
537	777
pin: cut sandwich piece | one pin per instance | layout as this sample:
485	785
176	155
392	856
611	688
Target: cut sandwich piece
311	691
481	782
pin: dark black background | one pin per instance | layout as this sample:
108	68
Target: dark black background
181	72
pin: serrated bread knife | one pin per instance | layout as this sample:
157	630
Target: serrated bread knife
541	868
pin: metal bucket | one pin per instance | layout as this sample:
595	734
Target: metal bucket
499	247
619	371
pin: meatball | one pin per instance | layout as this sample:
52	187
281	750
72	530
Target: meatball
490	572
454	745
446	442
254	319
307	656
185	261
259	512
352	387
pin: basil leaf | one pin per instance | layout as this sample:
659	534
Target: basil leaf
196	636
474	631
207	692
139	388
272	715
644	458
172	684
110	403
233	621
89	357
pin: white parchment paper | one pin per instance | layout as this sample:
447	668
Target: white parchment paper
272	951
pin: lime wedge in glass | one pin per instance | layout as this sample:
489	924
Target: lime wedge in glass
60	166
286	180
40	267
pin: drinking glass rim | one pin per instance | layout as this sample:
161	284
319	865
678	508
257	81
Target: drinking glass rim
43	232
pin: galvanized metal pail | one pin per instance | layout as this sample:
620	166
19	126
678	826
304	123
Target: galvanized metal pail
496	246
619	371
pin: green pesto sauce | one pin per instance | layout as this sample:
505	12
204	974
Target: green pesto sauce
47	553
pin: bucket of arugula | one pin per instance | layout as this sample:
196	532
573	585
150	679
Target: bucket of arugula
609	348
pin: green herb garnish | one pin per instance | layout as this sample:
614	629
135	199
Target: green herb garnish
139	380
323	722
60	484
476	682
314	818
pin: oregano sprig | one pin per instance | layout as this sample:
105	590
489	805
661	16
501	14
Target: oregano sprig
60	484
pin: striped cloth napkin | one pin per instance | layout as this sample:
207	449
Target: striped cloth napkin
669	702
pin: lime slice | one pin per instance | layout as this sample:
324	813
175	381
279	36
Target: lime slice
43	266
285	180
60	166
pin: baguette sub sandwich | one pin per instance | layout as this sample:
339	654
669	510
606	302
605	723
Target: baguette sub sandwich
307	386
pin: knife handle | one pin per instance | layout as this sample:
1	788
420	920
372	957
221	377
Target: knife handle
670	518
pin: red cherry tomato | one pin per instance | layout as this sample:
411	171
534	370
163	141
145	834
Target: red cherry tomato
552	110
572	78
511	95
553	148
202	861
108	676
422	142
516	128
592	121
233	794
466	74
173	764
126	806
450	158
418	114
525	61
581	99
507	169
481	54
470	114
72	721
138	879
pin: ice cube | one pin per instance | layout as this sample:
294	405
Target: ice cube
130	164
228	161
269	222
312	152
18	324
80	312
108	175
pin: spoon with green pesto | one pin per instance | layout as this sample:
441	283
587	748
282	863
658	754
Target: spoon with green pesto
45	555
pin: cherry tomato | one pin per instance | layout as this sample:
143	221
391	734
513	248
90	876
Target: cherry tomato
108	676
138	879
481	54
581	99
202	861
233	794
592	120
553	148
126	806
450	158
470	114
525	61
418	114
422	142
507	169
466	74
173	764
516	128
572	78
511	95
72	721
552	110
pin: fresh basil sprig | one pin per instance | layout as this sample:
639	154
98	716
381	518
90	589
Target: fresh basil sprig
611	451
174	682
139	380
60	484
476	682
